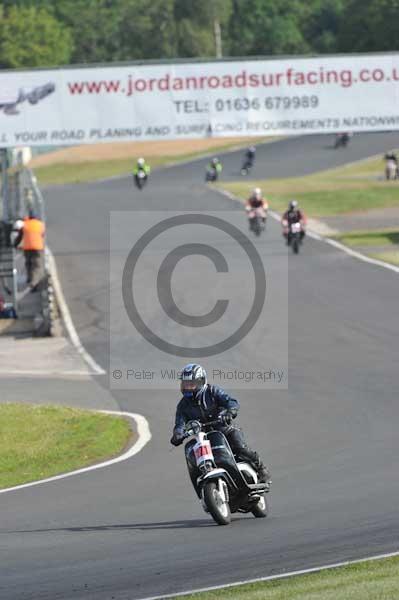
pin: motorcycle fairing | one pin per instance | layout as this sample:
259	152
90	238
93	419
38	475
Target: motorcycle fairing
224	457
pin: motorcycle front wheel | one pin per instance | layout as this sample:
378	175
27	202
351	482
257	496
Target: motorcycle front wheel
217	505
261	509
139	183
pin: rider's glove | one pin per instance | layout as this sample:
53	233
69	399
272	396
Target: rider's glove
177	439
226	417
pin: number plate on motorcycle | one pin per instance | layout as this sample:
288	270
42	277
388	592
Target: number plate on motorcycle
203	451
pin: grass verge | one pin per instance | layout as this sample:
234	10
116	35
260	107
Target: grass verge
381	240
85	171
356	187
385	237
389	257
370	580
41	441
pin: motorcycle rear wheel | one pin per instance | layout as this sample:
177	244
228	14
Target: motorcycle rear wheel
218	508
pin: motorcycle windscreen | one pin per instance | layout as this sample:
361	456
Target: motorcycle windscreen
224	457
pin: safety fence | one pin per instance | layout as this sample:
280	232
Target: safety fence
21	194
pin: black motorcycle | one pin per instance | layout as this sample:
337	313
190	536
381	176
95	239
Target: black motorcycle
295	237
341	140
247	166
257	220
224	484
140	179
211	175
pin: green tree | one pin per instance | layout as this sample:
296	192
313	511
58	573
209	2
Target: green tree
369	25
268	27
321	29
195	22
32	37
147	29
94	25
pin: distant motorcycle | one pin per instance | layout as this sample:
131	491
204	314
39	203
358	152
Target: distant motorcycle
341	140
247	166
223	484
294	235
140	179
257	220
211	174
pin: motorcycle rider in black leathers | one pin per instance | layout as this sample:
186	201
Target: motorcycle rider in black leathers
250	155
204	402
391	155
249	160
293	215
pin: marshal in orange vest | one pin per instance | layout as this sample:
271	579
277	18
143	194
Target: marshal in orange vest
33	234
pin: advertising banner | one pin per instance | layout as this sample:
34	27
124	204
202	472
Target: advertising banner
196	100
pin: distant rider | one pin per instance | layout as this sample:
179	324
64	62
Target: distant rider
250	155
216	166
391	155
391	165
141	165
32	233
257	201
205	402
293	215
342	139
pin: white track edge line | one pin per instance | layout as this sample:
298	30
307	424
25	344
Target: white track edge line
66	317
359	255
144	436
325	239
274	577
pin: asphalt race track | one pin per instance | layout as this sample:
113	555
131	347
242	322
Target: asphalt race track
135	529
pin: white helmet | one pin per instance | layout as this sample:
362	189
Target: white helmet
141	162
18	225
257	193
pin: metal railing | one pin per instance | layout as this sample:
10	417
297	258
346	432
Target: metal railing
21	194
9	274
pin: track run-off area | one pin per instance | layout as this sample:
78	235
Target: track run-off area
135	529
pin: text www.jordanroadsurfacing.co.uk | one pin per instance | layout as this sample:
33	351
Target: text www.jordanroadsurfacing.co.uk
345	78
